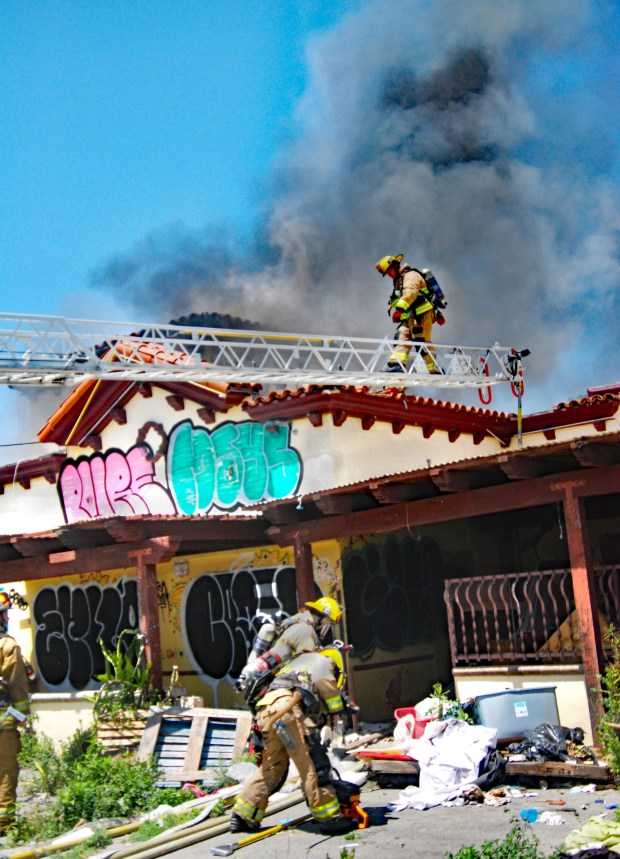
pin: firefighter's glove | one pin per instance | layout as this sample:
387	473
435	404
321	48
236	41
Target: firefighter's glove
396	316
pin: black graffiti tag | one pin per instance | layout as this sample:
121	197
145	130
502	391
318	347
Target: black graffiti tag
223	612
386	591
70	620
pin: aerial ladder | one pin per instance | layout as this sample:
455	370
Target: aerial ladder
53	350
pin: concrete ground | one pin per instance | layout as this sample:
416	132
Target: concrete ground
431	834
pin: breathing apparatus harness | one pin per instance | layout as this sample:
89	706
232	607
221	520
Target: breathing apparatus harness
431	293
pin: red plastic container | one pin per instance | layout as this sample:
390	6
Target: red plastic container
419	725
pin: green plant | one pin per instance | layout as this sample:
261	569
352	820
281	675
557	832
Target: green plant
610	688
103	786
95	842
81	782
127	684
518	844
152	828
444	706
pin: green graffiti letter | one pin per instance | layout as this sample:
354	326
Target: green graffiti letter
284	465
231	465
191	468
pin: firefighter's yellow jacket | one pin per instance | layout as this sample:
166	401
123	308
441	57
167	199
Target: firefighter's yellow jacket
13	673
413	292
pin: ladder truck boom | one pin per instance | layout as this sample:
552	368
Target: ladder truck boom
53	350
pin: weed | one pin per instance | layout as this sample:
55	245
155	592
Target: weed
610	686
96	841
218	809
444	707
518	844
151	828
81	782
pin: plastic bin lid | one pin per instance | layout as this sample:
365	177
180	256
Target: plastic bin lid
524	691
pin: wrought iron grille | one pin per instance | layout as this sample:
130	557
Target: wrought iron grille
522	617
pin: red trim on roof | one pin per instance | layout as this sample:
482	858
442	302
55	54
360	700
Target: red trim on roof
26	470
588	410
390	406
92	404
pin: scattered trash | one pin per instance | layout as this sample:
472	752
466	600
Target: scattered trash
551	818
530	815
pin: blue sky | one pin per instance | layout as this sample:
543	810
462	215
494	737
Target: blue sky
120	117
257	157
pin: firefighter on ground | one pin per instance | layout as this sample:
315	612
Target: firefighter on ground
297	702
412	309
14	701
276	644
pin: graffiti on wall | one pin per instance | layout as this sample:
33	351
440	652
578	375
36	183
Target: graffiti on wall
69	621
393	593
112	484
234	464
223	612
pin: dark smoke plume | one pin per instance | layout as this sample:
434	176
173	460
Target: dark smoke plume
454	132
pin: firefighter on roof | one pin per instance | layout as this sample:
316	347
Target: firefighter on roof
276	644
14	705
297	702
413	306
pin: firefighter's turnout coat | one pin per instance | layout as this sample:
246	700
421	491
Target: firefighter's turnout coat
14	694
411	298
314	677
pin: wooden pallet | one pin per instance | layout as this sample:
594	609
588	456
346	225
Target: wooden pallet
118	739
194	744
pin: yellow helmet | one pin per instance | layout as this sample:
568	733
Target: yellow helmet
385	263
5	602
336	657
327	607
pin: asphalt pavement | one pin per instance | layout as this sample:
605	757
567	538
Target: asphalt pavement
430	834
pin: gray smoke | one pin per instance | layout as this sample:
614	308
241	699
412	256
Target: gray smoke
456	133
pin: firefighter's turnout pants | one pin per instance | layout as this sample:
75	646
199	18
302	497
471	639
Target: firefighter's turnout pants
321	798
419	330
9	772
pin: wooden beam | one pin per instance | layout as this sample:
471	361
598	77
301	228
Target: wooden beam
452	480
85	561
332	505
148	609
585	599
460	505
304	575
592	455
119	416
207	416
392	493
175	402
519	468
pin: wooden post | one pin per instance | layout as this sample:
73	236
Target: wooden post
149	613
304	575
585	599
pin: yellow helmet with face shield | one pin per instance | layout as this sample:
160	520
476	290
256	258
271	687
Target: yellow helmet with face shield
386	263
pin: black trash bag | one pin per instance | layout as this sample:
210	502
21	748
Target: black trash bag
590	853
491	771
547	743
